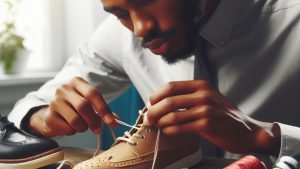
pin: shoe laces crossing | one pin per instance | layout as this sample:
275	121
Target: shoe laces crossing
128	137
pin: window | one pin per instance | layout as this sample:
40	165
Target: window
53	28
34	22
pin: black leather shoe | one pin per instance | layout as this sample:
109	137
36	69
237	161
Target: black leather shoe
20	150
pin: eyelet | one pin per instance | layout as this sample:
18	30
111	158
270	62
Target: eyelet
148	130
135	144
143	137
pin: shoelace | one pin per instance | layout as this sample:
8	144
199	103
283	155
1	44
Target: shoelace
127	138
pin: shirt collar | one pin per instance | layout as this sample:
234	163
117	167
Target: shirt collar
218	28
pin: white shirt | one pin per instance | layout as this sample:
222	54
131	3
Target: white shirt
111	60
252	47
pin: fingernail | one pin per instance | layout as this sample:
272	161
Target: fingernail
108	118
146	121
148	105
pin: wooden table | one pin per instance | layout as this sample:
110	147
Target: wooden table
76	155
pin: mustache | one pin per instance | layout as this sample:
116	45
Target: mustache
155	34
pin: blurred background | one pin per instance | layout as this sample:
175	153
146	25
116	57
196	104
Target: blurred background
44	34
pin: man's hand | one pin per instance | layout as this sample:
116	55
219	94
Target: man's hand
195	106
76	107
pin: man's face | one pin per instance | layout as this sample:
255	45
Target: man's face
164	26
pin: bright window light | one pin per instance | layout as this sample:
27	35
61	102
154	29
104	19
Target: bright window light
53	28
33	22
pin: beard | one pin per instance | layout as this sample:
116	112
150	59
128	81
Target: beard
191	16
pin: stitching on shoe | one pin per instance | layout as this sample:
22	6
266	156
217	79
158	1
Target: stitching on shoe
105	160
130	162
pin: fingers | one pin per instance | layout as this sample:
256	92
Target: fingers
196	107
81	108
78	121
177	102
76	106
55	125
75	109
197	126
93	98
178	88
180	117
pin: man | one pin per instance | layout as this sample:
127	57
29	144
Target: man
246	63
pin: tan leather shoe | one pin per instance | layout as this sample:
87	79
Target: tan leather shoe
136	150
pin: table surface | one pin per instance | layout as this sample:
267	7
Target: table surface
76	155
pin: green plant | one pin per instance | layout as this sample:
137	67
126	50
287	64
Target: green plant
10	41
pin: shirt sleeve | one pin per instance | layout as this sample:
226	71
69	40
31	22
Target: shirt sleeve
98	61
290	140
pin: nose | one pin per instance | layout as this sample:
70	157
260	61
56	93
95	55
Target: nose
142	23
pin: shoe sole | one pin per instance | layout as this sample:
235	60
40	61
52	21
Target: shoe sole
36	161
188	161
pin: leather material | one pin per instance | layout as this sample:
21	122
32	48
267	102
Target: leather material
125	155
16	144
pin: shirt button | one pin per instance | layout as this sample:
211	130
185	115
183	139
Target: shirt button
222	42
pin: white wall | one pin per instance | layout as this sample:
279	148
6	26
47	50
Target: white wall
55	27
82	17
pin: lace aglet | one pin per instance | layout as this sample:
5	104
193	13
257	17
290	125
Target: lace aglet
125	124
